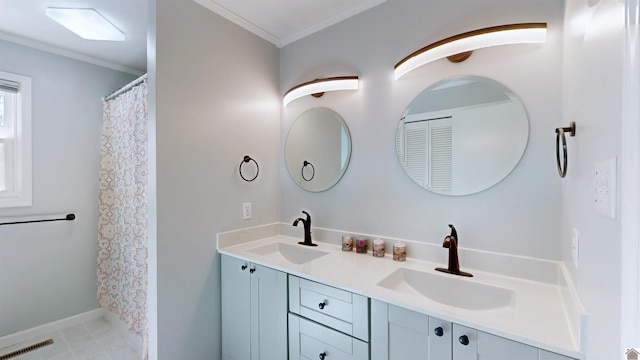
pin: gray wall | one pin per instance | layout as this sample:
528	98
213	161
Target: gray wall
48	270
216	100
521	215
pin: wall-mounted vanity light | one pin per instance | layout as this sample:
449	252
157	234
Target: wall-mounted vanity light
318	87
459	47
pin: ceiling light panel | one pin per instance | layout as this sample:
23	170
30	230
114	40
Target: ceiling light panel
86	23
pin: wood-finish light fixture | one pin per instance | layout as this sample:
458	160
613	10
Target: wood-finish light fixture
318	87
459	47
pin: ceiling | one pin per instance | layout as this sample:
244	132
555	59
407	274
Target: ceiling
25	22
278	21
285	21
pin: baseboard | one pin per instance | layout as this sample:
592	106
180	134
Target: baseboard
25	335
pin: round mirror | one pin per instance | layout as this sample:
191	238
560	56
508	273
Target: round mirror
462	135
317	149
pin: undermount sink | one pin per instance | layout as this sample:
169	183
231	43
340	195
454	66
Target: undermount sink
295	254
449	290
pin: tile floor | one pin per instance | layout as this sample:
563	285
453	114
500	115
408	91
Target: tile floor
94	339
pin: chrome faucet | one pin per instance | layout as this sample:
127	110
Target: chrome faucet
451	242
307	229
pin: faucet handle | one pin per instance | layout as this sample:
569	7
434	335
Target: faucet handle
447	241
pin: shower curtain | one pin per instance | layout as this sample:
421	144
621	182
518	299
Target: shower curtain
122	215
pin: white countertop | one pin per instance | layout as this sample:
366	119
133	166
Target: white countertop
538	318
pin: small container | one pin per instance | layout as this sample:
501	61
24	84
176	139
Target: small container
347	243
361	245
378	248
399	251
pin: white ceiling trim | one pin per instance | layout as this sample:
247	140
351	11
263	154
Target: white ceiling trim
280	42
209	4
67	53
331	21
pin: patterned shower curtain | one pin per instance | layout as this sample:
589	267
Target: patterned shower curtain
122	216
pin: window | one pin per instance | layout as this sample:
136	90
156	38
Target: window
15	140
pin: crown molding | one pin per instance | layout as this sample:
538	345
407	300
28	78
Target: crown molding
67	53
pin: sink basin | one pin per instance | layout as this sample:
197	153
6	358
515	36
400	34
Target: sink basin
295	254
449	290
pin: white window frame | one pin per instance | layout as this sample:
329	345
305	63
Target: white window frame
21	194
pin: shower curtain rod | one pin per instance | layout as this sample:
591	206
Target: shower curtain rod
126	88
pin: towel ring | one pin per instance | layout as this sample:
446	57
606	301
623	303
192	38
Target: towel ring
313	173
246	159
560	136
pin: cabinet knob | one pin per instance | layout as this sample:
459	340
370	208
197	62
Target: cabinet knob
322	305
252	270
243	267
323	355
438	331
464	340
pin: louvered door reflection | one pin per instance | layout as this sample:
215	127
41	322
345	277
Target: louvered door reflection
440	155
428	152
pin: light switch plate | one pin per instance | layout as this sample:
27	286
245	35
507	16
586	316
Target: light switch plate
605	187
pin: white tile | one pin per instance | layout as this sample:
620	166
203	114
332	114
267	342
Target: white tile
28	356
87	349
73	330
79	340
113	342
93	340
98	327
123	353
94	354
64	356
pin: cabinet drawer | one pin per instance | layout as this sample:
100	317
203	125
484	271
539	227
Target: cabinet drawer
335	308
309	340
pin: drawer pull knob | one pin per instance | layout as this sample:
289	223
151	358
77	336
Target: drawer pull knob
464	340
322	305
323	355
438	331
244	267
252	270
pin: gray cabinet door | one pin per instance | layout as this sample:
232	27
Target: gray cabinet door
236	317
399	334
268	314
254	311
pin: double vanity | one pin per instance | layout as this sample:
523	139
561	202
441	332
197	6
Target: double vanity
284	300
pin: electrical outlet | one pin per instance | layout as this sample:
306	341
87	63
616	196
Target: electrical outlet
246	211
575	244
